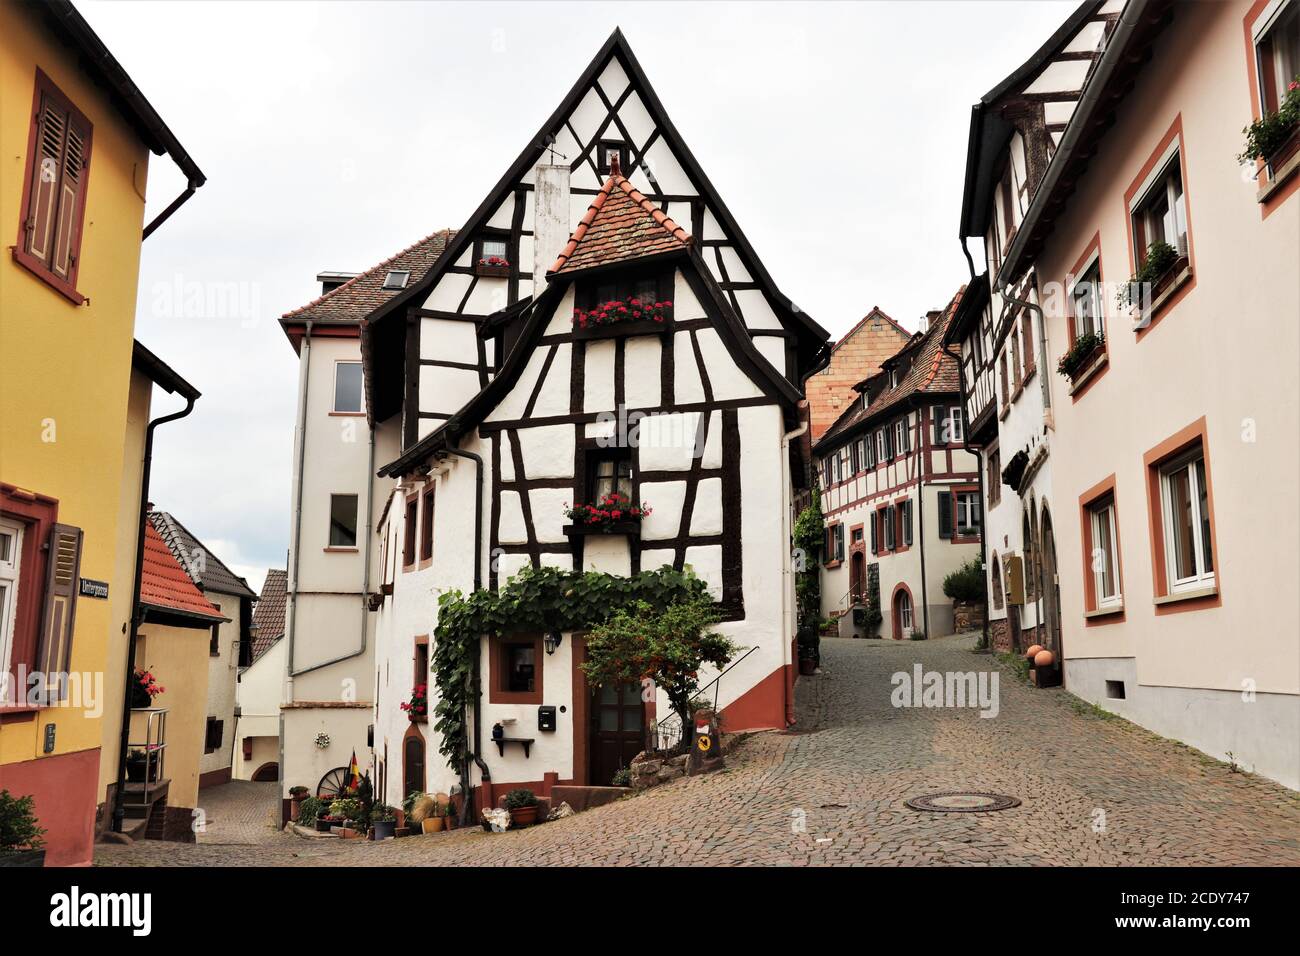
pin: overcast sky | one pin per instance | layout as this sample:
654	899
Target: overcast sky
334	134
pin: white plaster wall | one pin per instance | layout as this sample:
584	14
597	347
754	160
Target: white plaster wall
222	671
258	694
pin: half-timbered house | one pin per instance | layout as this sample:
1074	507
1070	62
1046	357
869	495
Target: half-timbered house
1015	131
900	493
502	413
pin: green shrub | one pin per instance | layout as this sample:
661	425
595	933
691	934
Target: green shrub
383	813
519	798
309	809
966	583
622	777
18	828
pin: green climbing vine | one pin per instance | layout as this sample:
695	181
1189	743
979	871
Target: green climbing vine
536	599
809	532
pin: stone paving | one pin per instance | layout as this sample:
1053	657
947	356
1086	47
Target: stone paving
1094	790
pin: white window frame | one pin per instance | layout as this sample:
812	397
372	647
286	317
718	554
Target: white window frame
956	430
1090	287
1103	518
1171	162
495	240
900	437
334	402
904	612
880	447
10	575
1202	578
1266	26
972	508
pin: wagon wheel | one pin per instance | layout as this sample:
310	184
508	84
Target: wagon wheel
333	784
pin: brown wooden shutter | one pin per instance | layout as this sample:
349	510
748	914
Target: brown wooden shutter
52	128
54	654
67	235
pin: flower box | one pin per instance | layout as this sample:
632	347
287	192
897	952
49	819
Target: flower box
492	266
620	330
616	527
1279	157
622	317
613	514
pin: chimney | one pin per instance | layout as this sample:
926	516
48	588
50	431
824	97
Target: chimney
928	320
550	219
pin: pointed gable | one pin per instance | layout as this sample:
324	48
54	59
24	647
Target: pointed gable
620	225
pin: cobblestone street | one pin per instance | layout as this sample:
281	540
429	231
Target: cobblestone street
832	792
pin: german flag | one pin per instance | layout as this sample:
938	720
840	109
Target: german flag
354	773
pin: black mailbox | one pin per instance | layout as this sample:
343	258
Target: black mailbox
859	617
546	717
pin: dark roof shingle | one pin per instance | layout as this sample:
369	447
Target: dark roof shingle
268	615
358	297
203	566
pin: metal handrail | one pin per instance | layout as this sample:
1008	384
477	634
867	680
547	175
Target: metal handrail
655	733
154	746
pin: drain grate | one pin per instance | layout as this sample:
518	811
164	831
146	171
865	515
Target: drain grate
962	802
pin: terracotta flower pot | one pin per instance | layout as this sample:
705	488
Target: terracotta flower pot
523	817
431	824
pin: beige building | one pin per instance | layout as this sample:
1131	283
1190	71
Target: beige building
1177	558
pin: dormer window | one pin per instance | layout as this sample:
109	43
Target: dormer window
607	150
396	279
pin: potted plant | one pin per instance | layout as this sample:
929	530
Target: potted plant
522	804
614	512
21	838
325	823
498	732
1157	269
347	810
384	819
622	316
1275	136
139	765
493	266
308	811
144	689
417	708
296	796
1082	351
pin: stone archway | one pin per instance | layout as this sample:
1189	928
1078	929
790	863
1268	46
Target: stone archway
267	772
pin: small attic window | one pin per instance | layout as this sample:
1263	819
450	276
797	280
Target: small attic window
396	279
606	150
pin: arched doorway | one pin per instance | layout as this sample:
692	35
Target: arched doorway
903	612
857	577
1051	590
267	772
413	761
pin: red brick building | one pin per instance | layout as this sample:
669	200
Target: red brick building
856	356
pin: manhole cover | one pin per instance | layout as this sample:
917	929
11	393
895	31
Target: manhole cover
958	802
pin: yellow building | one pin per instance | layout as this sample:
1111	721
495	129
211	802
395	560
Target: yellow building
72	192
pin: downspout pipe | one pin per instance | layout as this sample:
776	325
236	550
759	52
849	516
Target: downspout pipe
477	689
920	529
176	203
137	613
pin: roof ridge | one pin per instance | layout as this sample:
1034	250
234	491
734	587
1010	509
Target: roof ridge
446	232
874	310
169	517
598	203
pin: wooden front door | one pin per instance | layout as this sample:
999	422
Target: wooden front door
617	730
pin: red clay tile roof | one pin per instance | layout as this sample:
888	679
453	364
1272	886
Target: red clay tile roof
359	296
211	574
268	615
164	584
620	224
932	372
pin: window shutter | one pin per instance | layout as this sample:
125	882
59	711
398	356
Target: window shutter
889	443
839	542
52	128
218	734
940	417
945	514
54	655
907	523
874	547
76	157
